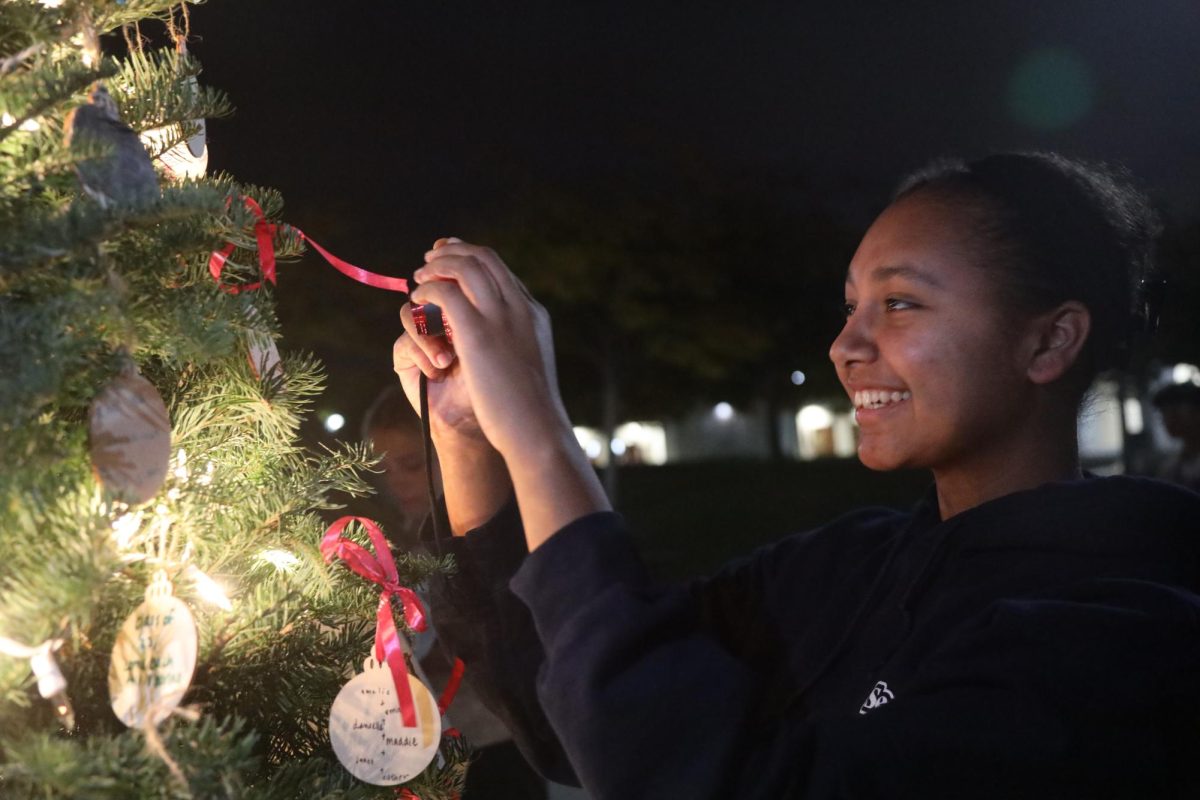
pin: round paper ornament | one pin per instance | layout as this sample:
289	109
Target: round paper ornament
153	658
130	437
186	159
368	735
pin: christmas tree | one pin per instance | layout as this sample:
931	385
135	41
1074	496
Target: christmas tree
148	434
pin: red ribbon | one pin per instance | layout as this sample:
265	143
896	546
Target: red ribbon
357	273
381	569
264	234
456	676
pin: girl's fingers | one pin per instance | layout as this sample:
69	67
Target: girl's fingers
485	257
473	278
430	354
447	295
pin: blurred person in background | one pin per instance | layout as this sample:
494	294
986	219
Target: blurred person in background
497	770
1179	405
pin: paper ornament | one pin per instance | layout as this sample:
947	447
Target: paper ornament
186	159
368	735
263	354
153	658
124	173
130	437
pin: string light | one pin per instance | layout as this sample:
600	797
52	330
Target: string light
181	468
28	125
125	527
51	683
281	560
209	590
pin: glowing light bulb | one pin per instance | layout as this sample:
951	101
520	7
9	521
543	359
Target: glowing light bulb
723	412
281	560
125	527
181	468
208	589
334	422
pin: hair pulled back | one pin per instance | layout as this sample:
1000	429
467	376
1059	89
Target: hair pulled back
1054	229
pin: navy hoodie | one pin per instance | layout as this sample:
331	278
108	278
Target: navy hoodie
1043	644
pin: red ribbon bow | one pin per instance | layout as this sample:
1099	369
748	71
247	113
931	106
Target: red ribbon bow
264	234
381	569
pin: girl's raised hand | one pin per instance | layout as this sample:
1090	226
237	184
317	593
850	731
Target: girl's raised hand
496	378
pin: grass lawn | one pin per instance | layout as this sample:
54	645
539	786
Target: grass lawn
688	519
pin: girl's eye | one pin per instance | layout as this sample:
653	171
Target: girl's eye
847	309
896	304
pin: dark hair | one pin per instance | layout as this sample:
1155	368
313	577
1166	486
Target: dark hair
390	411
1055	230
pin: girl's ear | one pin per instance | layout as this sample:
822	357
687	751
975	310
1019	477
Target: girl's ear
1057	338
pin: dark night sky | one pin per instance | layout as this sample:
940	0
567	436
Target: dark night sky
387	124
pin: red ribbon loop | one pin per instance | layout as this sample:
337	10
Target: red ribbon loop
264	236
380	569
456	676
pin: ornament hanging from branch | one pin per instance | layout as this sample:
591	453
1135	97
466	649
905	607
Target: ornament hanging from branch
186	159
153	658
262	353
368	734
115	168
129	436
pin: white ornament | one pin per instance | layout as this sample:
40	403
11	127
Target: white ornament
186	159
153	658
263	354
368	735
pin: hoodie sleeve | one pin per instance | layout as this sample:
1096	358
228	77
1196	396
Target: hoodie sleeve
580	648
631	688
481	621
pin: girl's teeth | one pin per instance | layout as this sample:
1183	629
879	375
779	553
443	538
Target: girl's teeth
878	399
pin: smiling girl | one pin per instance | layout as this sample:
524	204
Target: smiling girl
1026	631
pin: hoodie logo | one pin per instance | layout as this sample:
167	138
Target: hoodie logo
878	696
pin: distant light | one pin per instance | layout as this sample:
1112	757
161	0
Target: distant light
723	412
798	378
814	418
590	440
618	447
1133	416
1185	373
281	560
335	422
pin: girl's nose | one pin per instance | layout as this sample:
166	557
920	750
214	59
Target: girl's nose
855	343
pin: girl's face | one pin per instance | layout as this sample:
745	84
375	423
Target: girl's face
927	354
403	464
